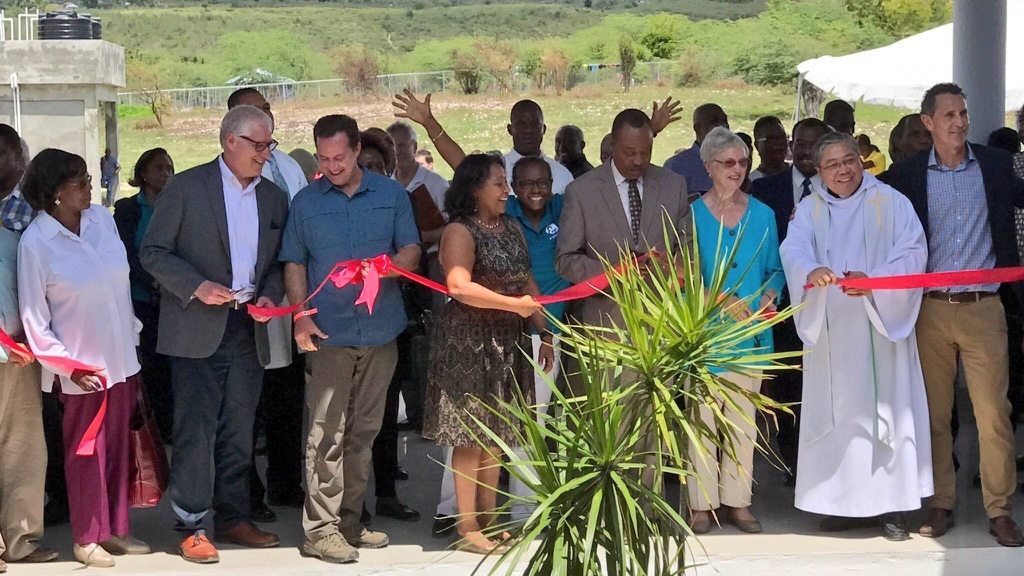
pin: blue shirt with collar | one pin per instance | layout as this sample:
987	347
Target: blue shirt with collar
959	235
689	165
541	241
325	227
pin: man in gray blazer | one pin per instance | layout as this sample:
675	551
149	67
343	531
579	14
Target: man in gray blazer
620	205
212	246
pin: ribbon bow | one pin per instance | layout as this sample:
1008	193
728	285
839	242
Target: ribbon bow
366	272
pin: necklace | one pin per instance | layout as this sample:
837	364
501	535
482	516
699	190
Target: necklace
488	226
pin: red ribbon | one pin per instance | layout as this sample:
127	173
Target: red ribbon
351	272
87	446
934	279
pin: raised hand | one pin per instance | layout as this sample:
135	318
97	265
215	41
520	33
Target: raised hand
407	106
661	116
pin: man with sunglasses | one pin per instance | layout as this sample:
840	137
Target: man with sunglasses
212	245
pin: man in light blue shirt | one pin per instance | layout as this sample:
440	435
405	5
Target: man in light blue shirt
687	163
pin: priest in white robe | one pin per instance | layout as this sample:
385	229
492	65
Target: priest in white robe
865	446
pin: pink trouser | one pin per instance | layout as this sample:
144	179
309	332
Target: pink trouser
98	484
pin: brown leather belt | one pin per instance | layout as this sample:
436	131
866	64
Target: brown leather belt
959	297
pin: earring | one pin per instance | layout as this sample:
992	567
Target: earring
56	202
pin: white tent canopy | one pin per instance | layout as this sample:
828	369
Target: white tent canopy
899	74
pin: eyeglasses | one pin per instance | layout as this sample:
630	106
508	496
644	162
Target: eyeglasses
851	163
83	182
732	163
261	146
531	184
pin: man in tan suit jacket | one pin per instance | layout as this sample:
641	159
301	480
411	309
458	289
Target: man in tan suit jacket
597	222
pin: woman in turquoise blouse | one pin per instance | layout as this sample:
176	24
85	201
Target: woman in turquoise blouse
728	222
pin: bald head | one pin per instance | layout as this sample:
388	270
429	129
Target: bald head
706	118
569	143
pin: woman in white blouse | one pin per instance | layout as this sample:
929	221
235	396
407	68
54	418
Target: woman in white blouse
76	303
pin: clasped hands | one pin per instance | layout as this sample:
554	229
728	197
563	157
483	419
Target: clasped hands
823	276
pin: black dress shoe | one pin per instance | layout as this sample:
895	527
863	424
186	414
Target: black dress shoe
894	527
394	508
401	474
262	513
365	517
844	524
443	526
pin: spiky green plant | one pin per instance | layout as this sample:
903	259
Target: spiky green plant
595	462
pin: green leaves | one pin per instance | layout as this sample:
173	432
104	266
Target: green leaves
596	460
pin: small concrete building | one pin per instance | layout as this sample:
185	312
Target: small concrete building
62	94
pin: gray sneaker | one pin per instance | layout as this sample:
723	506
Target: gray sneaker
331	548
369	539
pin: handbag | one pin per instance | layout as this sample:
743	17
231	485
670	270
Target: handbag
148	471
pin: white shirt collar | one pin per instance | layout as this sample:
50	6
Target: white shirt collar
50	227
228	177
619	178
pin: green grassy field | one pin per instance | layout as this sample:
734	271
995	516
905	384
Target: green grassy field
478	122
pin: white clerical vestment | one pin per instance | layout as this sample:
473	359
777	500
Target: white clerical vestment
865	446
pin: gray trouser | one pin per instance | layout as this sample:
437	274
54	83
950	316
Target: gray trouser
345	403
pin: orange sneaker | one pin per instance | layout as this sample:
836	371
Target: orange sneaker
197	548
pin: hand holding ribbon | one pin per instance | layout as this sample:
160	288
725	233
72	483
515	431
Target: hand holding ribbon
931	279
87	447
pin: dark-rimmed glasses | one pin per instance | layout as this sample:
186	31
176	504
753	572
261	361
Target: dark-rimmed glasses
261	146
531	184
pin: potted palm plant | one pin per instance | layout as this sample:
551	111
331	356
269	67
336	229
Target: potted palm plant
596	461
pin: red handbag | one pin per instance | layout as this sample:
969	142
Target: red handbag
147	475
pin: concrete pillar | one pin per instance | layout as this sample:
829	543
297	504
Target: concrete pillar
979	62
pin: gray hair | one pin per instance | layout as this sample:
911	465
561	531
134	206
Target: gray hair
241	119
831	139
718	141
403	126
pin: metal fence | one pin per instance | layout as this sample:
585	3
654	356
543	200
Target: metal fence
215	97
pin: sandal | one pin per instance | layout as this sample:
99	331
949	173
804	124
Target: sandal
492	547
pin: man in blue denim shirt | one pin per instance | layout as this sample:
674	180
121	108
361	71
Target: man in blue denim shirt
349	214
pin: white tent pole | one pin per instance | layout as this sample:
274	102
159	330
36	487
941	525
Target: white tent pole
799	97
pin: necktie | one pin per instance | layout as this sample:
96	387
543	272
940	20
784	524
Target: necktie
634	210
807	189
275	172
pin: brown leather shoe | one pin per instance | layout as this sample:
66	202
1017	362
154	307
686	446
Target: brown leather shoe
248	535
197	548
1006	531
939	521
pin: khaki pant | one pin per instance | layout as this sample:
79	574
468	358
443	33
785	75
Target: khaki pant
22	461
976	333
345	404
720	479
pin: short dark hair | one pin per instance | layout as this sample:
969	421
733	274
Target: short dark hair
425	154
766	121
1005	138
932	94
143	162
470	176
233	99
810	123
47	172
631	117
836	107
524	106
9	139
333	124
527	161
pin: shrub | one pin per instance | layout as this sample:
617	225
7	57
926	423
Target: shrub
699	67
468	70
358	67
771	64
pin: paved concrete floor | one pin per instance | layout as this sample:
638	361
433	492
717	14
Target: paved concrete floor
791	544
